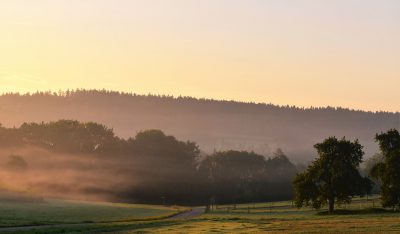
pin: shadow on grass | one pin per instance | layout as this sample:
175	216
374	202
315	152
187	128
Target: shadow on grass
358	212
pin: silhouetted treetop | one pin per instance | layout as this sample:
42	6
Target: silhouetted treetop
70	136
333	176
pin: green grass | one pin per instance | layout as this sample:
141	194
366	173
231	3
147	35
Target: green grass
361	216
281	223
64	212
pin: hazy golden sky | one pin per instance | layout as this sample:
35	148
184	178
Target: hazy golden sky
305	52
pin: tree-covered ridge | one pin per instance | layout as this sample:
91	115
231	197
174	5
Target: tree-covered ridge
150	167
109	94
220	125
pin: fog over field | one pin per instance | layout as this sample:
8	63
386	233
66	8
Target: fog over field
40	172
71	159
214	125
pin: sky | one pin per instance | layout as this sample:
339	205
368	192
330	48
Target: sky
296	52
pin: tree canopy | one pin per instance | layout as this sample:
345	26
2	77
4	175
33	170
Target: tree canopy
387	171
240	176
333	176
70	136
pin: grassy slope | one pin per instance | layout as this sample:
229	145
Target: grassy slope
277	217
61	212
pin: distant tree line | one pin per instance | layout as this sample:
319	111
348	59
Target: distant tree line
163	169
231	123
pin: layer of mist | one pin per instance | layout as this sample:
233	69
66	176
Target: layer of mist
86	161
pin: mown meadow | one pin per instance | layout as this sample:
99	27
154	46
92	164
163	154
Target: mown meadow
27	211
363	215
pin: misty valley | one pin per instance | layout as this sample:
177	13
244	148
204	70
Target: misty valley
98	176
76	160
246	162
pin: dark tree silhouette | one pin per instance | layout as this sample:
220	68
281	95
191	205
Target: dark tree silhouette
333	177
166	167
71	136
240	176
388	171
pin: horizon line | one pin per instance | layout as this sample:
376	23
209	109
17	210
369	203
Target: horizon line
63	93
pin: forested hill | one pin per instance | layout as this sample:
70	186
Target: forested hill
214	125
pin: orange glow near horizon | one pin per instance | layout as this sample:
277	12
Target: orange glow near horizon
307	53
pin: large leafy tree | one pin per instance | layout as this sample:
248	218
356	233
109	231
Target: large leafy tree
388	171
333	177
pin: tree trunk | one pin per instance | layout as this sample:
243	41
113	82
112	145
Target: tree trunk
331	205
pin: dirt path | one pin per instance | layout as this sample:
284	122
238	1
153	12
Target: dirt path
194	212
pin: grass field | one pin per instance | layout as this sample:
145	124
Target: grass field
361	216
25	213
